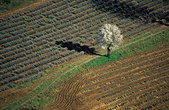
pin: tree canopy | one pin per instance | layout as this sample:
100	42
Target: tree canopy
111	36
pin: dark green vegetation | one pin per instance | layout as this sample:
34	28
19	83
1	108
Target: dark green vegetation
8	5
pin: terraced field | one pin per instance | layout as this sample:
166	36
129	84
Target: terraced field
42	46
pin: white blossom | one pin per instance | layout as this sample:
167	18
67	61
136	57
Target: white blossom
111	36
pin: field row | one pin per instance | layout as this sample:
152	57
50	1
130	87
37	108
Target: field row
49	35
141	84
81	9
34	35
125	70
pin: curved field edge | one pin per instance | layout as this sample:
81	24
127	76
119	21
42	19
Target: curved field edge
41	94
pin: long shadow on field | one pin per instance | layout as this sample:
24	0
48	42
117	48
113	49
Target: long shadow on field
77	47
132	10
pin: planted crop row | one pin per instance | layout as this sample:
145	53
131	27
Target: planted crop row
33	18
140	58
120	94
41	68
24	59
139	90
35	56
133	98
109	77
121	23
127	76
38	41
136	86
32	56
159	102
33	73
42	37
42	6
128	82
16	16
117	76
30	68
139	30
30	61
12	25
107	71
23	62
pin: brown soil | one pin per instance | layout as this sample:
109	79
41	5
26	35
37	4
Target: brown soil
67	98
92	94
74	97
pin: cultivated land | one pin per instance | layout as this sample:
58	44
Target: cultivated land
36	73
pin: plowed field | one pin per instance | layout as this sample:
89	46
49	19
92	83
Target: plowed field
137	82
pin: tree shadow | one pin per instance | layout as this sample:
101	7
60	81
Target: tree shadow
77	47
132	10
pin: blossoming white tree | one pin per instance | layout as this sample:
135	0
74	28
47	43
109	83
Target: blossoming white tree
111	37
